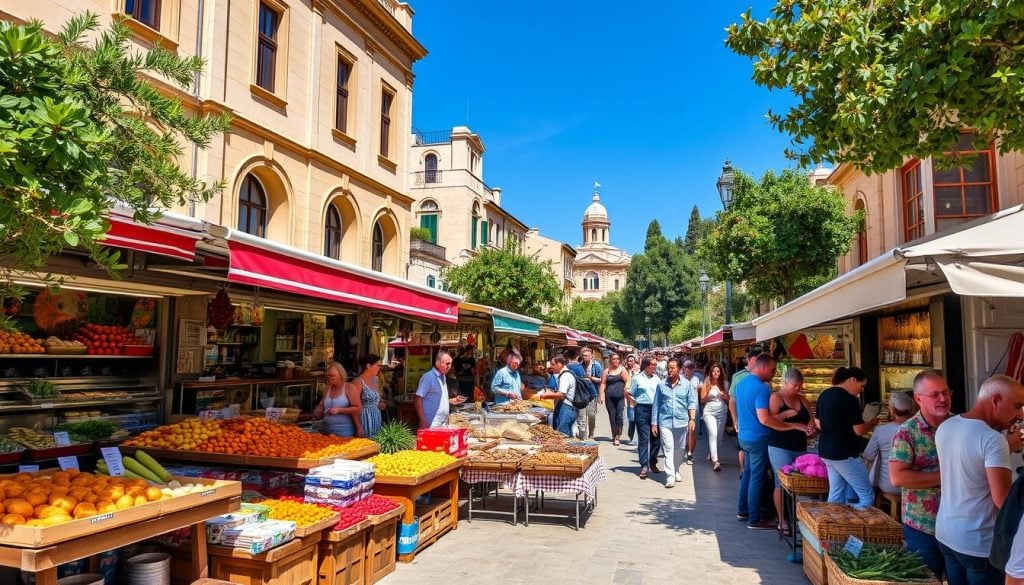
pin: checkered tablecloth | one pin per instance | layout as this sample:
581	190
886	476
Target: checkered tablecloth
587	483
506	478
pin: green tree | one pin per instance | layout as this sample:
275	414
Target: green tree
878	81
686	327
660	286
781	236
82	128
507	279
693	232
595	316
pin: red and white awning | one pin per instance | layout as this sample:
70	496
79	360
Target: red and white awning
591	338
169	236
259	262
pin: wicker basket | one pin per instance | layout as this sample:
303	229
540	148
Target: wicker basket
836	576
803	484
837	522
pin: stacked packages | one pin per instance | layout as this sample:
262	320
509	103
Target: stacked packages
340	484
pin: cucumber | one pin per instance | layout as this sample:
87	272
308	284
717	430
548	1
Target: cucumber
139	470
152	465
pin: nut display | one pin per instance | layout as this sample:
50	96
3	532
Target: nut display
568	448
410	463
544	431
516	407
32	438
498	456
549	458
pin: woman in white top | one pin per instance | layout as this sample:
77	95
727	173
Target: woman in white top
901	408
714	399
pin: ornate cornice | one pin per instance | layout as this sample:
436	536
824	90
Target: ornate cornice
391	28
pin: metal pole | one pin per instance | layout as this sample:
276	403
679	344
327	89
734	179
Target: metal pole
728	301
703	315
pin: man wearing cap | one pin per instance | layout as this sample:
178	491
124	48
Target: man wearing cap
506	384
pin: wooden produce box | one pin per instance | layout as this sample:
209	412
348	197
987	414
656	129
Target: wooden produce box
292	563
32	537
814	565
575	469
342	556
302	531
254	461
417	480
435	521
836	522
382	546
837	577
495	466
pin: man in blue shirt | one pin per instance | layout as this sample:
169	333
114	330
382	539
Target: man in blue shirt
507	385
592	371
751	396
432	401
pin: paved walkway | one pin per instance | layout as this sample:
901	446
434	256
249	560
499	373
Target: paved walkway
639	533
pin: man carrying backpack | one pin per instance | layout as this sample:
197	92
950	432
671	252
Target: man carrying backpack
568	396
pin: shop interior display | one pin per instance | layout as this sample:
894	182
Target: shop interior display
906	339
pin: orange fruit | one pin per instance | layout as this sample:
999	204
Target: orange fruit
124	502
55	520
153	494
36	497
14	491
12	519
46	510
20	507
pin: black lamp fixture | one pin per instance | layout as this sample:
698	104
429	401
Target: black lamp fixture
703	281
726	182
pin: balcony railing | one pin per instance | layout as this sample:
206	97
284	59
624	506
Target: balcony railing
421	178
432	137
427	249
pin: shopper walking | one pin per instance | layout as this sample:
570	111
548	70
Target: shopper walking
340	409
914	467
714	399
612	394
587	421
755	424
633	368
974	468
901	408
788	405
565	412
642	389
675	417
839	418
369	396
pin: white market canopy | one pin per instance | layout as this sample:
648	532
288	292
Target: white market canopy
981	258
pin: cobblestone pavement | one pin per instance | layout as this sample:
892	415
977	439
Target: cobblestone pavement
639	533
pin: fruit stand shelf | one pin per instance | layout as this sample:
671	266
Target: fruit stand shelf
76	403
61	356
442	484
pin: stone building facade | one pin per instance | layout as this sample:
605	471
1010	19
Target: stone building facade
600	267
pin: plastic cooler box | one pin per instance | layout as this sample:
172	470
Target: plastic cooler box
448	440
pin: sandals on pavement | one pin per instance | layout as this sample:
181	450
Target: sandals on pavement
643	473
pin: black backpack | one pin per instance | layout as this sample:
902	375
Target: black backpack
1007	523
580	396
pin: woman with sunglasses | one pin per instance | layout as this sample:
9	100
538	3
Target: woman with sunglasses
714	399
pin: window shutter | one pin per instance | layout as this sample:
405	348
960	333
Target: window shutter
429	221
483	233
472	235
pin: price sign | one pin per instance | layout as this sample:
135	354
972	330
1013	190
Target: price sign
211	414
62	438
236	410
854	545
226	414
69	462
28	468
275	414
112	455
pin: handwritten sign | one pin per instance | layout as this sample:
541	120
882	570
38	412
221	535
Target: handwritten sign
62	438
275	414
69	462
112	455
854	546
28	468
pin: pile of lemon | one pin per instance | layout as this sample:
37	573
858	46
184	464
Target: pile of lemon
298	512
410	463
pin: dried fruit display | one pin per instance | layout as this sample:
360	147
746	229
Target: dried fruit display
516	407
544	431
219	311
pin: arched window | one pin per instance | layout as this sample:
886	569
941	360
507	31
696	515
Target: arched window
428	218
332	233
377	252
862	233
431	281
616	284
252	207
591	281
593	235
473	226
430	174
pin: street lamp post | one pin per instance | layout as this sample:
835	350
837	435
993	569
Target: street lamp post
725	184
703	282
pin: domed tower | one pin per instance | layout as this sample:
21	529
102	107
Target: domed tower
596	225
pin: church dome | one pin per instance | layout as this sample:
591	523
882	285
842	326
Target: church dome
596	211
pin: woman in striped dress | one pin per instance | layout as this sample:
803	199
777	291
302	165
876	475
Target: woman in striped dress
369	385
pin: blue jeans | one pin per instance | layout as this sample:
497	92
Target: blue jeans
565	418
926	547
647	450
780	457
849	477
755	466
964	569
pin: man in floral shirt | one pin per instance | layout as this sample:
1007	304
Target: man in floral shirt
914	467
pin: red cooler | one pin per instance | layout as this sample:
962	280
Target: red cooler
448	440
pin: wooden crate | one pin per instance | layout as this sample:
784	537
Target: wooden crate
382	547
836	522
419	479
342	558
292	563
814	565
435	521
838	577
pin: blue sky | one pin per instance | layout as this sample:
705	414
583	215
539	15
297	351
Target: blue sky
645	98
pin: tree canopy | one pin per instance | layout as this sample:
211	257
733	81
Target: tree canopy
877	81
782	236
82	129
595	316
507	279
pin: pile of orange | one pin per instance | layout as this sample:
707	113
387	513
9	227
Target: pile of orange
298	512
50	498
17	342
247	436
